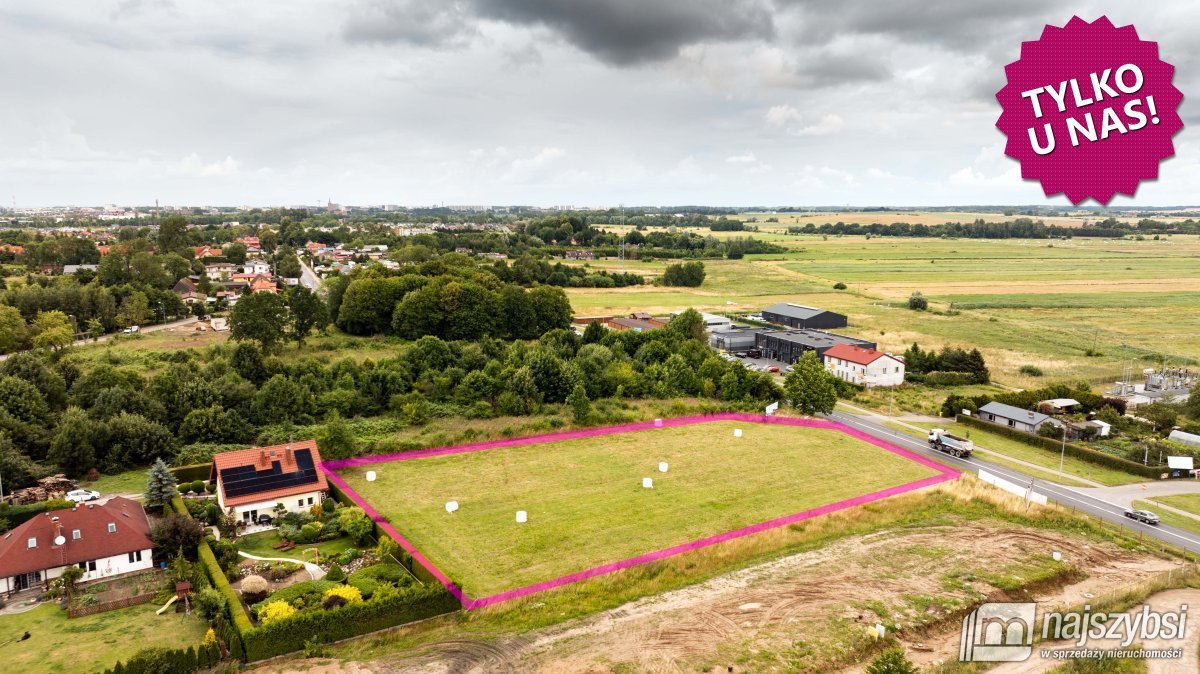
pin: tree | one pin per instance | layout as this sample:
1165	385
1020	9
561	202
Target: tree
172	233
73	448
594	332
95	328
917	301
891	661
135	440
809	386
281	399
307	312
17	469
69	577
214	424
13	331
551	309
234	252
260	317
688	274
286	263
160	485
581	407
367	305
334	439
688	324
52	330
177	533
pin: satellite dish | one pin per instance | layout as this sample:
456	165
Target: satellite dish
59	540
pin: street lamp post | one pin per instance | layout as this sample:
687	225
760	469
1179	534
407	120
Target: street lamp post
1063	457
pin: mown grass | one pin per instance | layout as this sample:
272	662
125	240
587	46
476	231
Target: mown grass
1168	517
128	482
1188	502
262	544
586	503
91	643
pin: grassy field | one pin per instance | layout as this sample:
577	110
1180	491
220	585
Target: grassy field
91	643
1188	502
128	482
1167	517
587	507
261	545
1021	302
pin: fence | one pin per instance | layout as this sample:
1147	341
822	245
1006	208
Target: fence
80	611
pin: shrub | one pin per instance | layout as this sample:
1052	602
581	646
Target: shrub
276	610
839	286
211	487
387	548
210	603
349	593
1031	370
307	594
254	588
177	532
891	661
917	301
336	574
309	533
329	505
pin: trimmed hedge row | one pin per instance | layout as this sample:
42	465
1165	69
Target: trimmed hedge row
20	514
321	626
199	471
175	661
1073	450
216	576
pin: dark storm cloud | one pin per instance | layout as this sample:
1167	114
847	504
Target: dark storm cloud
620	32
624	32
824	69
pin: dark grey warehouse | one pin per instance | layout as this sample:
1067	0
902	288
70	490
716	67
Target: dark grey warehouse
788	345
800	316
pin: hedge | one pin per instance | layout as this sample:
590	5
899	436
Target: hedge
1072	450
20	514
175	661
199	471
216	575
322	626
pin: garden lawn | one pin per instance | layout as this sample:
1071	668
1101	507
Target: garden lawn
261	545
586	503
91	643
128	482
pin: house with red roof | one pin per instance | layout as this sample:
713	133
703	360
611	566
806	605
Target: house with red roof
104	540
253	482
861	365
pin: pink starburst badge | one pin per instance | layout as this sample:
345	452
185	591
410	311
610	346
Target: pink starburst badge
1089	110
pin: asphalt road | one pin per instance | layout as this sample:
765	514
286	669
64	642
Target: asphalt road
1064	496
308	278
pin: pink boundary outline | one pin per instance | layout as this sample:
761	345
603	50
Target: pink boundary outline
945	473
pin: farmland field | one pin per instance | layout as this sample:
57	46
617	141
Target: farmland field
1044	303
586	503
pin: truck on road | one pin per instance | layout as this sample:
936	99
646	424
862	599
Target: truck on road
950	443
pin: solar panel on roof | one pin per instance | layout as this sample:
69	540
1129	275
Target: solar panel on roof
243	480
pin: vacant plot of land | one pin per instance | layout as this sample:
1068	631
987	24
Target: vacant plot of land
587	506
91	643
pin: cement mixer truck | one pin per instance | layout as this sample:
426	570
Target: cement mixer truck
950	443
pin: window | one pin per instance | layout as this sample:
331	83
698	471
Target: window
310	500
112	527
135	556
32	543
300	502
75	535
87	566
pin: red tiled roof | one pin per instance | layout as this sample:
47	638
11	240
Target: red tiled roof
95	541
854	354
261	458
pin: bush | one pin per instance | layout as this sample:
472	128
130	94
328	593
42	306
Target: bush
349	593
276	610
1031	370
891	661
210	603
177	532
309	533
336	574
917	301
949	378
307	594
839	286
254	588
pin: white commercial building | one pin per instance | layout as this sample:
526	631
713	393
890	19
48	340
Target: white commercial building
860	365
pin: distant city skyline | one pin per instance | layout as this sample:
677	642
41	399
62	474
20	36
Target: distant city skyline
536	102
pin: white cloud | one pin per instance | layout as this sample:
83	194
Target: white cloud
781	115
747	158
828	124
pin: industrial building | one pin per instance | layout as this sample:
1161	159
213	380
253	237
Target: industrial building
800	316
735	338
788	345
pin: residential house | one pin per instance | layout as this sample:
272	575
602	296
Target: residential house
206	251
253	482
1059	405
262	284
257	267
1014	417
219	270
861	365
187	291
579	254
103	540
76	268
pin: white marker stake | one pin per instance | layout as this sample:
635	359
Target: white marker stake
662	466
647	483
370	476
737	432
522	517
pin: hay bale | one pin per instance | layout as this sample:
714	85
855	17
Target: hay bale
522	517
451	506
370	476
647	483
662	466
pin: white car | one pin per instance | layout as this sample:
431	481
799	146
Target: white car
81	495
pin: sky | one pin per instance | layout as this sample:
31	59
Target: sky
537	102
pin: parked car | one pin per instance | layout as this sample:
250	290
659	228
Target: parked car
1142	516
81	495
772	369
740	354
132	329
754	353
